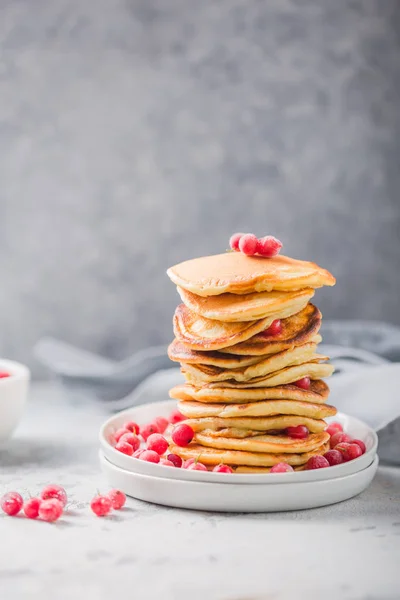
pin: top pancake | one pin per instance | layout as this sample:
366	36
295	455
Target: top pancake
235	273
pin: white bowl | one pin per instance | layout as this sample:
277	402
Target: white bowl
231	497
13	394
147	412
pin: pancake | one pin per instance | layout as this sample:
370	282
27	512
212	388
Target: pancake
296	330
270	364
179	352
290	374
318	393
260	470
264	408
247	307
199	333
255	424
274	444
215	456
233	272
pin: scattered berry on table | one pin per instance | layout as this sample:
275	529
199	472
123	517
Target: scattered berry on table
31	507
120	432
4	374
175	459
234	241
281	468
54	491
101	506
334	457
50	510
176	417
125	448
117	499
334	428
197	466
303	383
131	439
222	469
361	444
148	430
150	456
338	438
162	423
11	503
182	434
269	246
274	329
132	426
300	432
166	462
157	442
317	462
248	244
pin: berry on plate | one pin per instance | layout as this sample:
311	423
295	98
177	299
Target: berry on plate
317	462
125	448
338	438
175	459
148	430
166	462
222	469
11	503
281	468
157	442
348	450
132	426
197	466
131	439
188	462
176	417
150	456
162	423
361	444
120	432
334	428
182	434
334	457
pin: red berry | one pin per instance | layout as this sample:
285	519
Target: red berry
101	506
222	469
300	432
317	462
50	510
197	466
361	444
281	468
120	432
248	244
166	462
175	459
150	456
303	383
162	423
131	439
334	428
176	417
132	426
234	241
117	499
269	246
31	507
138	453
11	503
338	438
125	448
4	374
334	457
54	491
188	462
349	451
157	442
182	435
148	430
274	329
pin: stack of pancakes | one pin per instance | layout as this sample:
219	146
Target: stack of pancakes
240	394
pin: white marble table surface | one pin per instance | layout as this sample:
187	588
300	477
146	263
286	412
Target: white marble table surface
350	551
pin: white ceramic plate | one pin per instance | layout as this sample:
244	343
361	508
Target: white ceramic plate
147	412
232	497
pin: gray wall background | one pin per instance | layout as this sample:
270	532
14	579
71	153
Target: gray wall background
135	134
